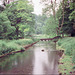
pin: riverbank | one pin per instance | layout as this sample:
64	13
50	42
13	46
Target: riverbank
67	62
30	61
9	46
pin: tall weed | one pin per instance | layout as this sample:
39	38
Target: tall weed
68	44
7	46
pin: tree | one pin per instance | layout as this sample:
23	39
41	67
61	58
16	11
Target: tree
5	26
40	23
50	27
68	25
50	7
20	16
64	14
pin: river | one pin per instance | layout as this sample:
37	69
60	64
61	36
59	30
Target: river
38	59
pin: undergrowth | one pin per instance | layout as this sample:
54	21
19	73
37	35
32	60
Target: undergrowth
7	46
68	44
66	67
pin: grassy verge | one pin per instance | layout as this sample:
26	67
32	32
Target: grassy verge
7	46
40	36
67	63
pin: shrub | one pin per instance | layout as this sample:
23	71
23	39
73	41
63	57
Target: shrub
23	42
68	44
7	46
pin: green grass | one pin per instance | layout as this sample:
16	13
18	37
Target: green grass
7	46
68	45
40	36
23	41
66	67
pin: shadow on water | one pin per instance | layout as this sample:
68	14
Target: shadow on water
39	59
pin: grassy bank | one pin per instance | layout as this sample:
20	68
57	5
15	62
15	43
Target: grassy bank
67	63
41	36
7	46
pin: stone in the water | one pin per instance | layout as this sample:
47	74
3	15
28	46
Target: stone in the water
60	73
42	50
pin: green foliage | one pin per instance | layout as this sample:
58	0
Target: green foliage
7	46
66	67
59	13
72	7
69	13
72	15
16	20
40	36
40	23
5	26
23	42
68	43
50	27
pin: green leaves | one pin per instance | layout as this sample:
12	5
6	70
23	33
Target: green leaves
4	24
50	27
21	4
72	15
16	19
23	28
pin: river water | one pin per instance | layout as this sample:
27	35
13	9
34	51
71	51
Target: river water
38	59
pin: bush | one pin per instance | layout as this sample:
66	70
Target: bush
23	41
68	52
7	46
68	44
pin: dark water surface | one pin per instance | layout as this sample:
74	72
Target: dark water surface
33	61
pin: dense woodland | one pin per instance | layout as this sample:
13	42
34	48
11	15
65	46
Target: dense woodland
17	20
62	19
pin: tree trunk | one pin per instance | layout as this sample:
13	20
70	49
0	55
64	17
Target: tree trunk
62	15
17	31
60	26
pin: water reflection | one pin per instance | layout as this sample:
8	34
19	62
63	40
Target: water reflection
45	62
33	61
40	59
